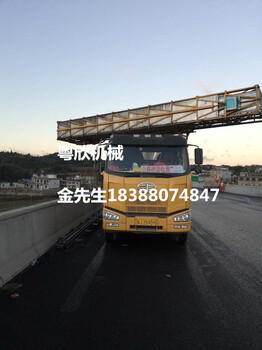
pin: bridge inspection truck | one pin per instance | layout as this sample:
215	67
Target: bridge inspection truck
155	157
150	162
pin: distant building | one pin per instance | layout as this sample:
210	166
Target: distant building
5	185
250	179
205	173
11	185
89	180
44	182
71	183
221	173
78	181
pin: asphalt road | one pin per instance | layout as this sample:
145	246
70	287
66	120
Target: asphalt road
146	292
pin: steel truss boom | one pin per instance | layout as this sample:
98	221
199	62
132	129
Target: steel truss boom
233	107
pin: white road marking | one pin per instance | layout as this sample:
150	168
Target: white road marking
75	298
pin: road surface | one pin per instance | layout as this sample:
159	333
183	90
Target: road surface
146	292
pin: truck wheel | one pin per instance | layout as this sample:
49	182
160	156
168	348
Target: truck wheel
110	236
182	238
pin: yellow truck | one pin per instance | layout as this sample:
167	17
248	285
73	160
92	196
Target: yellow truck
157	163
143	189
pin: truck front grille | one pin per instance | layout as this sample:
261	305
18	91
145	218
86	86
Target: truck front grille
146	209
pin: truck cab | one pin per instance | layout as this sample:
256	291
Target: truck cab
157	164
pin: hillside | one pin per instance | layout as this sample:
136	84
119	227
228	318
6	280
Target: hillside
15	166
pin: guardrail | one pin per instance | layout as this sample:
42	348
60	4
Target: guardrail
27	233
254	191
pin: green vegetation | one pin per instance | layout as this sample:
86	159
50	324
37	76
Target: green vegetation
15	166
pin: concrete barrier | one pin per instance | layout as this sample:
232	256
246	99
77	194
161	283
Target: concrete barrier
236	189
197	184
27	233
244	190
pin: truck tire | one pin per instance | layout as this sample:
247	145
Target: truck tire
182	238
110	236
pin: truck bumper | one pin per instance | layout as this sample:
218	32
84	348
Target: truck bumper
147	224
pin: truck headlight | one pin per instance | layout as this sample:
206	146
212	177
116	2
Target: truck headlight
110	216
183	217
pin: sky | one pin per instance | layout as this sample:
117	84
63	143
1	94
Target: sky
62	59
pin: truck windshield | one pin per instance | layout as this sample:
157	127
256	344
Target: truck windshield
170	161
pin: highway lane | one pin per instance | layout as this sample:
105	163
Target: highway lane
147	292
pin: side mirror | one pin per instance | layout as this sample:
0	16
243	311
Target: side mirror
198	156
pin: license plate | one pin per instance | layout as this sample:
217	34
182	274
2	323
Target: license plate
146	222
